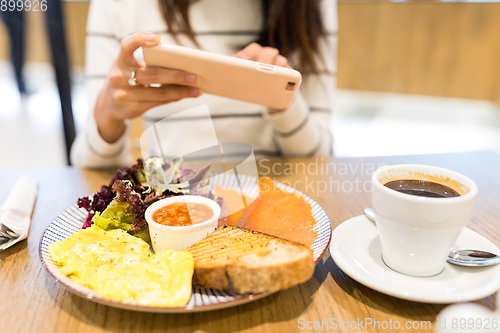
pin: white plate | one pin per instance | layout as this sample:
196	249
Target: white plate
356	249
72	220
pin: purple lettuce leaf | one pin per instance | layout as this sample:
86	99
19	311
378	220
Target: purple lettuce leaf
129	186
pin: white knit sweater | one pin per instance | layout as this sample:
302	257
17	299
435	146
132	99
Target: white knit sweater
224	27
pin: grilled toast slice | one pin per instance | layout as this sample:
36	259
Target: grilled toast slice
246	261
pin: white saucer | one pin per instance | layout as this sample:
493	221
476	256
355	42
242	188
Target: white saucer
356	249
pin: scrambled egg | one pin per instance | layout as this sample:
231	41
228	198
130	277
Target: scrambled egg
121	267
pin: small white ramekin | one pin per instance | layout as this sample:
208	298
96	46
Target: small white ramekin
179	238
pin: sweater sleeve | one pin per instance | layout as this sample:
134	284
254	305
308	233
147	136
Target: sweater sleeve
303	129
102	48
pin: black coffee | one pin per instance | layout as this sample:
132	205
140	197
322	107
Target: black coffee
422	188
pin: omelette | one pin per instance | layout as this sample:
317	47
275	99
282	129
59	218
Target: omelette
121	267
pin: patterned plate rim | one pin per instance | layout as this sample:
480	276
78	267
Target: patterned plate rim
192	308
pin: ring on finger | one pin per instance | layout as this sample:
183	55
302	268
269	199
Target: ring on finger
132	81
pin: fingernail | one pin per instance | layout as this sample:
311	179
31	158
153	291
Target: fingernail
152	37
190	78
194	92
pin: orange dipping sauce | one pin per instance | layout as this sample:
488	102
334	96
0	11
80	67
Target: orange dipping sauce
183	214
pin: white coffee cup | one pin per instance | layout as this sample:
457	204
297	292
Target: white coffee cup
417	232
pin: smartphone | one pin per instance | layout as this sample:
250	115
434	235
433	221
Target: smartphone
230	77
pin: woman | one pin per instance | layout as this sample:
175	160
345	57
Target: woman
296	33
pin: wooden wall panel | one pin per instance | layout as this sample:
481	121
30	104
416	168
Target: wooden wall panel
439	49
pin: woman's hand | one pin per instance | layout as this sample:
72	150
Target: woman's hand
263	54
118	100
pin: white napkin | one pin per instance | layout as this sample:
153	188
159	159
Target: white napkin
16	211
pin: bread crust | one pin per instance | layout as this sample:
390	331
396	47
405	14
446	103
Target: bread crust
246	279
211	278
250	261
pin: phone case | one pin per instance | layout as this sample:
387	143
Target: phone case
229	77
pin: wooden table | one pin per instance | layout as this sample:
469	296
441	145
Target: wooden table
31	301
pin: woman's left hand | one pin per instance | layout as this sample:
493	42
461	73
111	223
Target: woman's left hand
263	54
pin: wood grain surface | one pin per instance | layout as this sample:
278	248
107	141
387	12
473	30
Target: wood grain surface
31	301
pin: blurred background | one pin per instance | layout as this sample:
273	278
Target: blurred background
413	77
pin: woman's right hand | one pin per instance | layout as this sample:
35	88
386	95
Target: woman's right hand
118	100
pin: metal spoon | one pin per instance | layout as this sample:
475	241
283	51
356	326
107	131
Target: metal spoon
470	258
